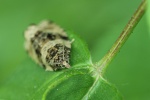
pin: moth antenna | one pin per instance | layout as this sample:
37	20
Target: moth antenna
72	41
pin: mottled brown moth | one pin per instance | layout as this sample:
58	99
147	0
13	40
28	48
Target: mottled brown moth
48	45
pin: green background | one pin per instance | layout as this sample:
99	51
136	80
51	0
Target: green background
98	22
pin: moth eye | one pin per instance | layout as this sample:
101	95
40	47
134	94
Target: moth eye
51	36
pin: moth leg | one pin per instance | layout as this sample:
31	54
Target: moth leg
48	68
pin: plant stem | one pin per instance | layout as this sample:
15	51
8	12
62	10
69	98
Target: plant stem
102	65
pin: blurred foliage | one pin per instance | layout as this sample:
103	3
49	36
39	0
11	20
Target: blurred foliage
148	14
99	22
81	81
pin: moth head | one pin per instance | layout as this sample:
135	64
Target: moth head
58	56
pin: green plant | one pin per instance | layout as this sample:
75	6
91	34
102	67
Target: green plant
39	84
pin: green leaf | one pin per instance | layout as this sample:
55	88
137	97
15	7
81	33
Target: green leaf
148	13
80	85
81	81
99	22
79	51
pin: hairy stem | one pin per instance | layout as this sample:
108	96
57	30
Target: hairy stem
102	65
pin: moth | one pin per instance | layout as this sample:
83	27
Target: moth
48	45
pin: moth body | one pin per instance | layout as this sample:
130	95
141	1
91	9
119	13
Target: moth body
48	45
